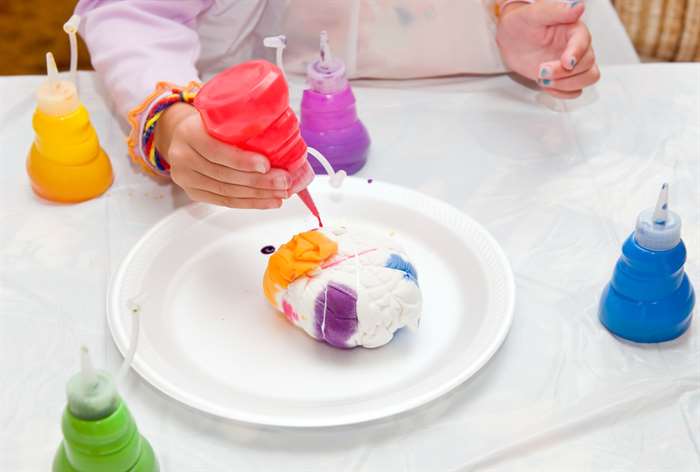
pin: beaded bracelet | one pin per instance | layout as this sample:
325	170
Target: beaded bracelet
143	120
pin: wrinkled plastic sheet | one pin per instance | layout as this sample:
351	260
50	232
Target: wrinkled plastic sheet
559	191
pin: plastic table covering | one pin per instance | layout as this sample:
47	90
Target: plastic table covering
559	191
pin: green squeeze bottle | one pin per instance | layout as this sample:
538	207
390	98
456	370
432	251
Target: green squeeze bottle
99	433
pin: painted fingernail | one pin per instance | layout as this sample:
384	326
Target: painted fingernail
572	62
546	82
545	71
574	3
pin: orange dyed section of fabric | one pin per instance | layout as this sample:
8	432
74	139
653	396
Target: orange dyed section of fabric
304	253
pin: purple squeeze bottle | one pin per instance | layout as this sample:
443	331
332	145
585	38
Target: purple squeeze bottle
329	119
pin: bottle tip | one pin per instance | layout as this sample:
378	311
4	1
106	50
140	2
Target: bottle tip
325	49
87	371
51	69
661	209
658	228
91	393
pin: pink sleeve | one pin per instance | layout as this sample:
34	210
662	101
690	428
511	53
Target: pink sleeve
134	44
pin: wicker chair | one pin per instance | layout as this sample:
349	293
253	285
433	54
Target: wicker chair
667	30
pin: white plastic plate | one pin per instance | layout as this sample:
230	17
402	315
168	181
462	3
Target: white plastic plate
209	339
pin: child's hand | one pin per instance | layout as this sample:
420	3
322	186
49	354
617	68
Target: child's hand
214	172
548	42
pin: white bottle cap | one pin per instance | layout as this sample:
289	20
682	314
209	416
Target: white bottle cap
92	394
56	97
658	229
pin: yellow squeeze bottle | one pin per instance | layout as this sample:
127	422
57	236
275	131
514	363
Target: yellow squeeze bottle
66	162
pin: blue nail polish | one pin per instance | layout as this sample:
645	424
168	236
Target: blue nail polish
546	82
572	62
574	3
544	72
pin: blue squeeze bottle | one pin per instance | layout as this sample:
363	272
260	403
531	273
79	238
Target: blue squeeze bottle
650	298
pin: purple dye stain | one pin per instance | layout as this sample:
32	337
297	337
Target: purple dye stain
369	181
268	250
336	315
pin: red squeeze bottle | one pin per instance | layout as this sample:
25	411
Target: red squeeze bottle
247	105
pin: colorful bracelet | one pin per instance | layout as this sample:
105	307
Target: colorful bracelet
143	120
147	138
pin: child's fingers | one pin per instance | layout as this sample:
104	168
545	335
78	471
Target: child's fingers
579	42
232	157
222	153
573	83
202	182
232	202
275	179
554	70
552	13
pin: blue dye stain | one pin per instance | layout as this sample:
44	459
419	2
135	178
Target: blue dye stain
664	206
405	16
399	263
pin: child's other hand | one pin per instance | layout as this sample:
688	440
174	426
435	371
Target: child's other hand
214	172
548	42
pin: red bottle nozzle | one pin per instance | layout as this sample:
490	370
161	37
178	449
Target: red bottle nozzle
309	202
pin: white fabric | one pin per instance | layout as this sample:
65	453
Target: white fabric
559	192
387	299
380	38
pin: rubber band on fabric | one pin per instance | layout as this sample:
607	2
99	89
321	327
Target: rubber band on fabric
495	9
143	120
499	7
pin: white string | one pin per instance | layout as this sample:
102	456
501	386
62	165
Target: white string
325	308
134	305
357	273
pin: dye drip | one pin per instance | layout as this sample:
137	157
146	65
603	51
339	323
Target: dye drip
267	250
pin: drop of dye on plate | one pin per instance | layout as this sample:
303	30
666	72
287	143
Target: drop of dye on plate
268	249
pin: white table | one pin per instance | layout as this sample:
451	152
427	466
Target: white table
559	191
